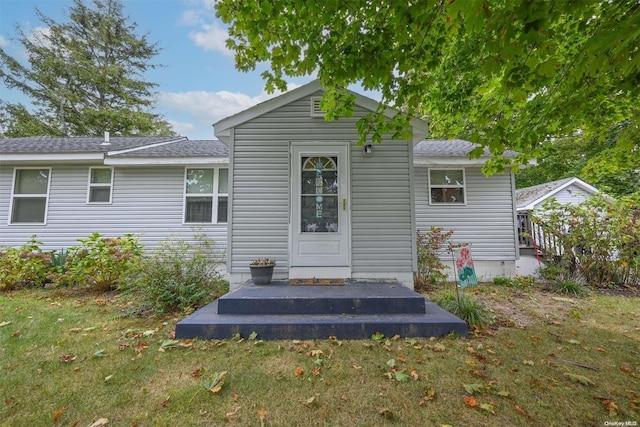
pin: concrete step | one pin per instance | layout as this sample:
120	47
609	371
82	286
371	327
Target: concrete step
354	311
357	297
207	323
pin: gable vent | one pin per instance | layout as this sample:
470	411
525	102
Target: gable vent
315	107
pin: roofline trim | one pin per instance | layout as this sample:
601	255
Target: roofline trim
151	161
52	157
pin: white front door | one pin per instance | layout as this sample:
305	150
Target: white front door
320	206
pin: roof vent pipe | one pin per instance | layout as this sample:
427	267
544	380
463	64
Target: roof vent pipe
106	139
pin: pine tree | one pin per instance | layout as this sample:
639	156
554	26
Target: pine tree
84	76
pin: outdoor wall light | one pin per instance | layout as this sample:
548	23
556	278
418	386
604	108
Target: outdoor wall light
367	150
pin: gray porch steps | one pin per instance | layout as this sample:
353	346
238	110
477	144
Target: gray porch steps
356	310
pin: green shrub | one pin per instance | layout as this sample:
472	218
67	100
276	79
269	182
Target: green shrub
571	284
181	276
101	263
598	239
430	268
465	307
520	282
27	266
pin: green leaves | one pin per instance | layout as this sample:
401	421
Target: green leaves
510	75
215	382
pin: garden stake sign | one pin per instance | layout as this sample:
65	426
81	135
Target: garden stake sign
463	265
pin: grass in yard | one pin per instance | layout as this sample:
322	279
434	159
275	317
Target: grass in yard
550	360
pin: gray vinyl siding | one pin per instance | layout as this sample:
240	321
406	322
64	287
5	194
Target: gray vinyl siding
381	209
486	221
381	230
147	202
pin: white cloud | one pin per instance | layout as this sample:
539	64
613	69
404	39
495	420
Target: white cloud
201	109
209	32
211	37
3	42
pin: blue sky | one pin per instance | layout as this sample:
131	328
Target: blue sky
198	84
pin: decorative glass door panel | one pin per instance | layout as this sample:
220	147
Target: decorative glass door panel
319	203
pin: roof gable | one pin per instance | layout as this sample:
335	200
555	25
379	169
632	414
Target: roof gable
527	198
222	127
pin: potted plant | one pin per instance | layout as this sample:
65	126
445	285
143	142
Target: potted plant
262	270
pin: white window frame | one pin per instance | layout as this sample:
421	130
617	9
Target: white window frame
91	185
463	186
215	195
17	196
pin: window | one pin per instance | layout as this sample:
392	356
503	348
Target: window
206	195
30	195
446	186
100	185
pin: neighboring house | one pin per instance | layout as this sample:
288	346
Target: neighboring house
531	240
290	186
62	189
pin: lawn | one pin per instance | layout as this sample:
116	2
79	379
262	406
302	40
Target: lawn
77	359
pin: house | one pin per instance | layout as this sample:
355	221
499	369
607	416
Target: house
62	189
281	183
530	238
303	193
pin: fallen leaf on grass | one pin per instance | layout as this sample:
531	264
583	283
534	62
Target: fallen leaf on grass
232	413
215	382
439	347
470	401
487	408
58	413
100	422
428	395
310	401
610	406
402	376
626	367
579	379
108	378
528	362
68	357
298	372
168	345
520	410
74	330
16	334
473	388
2	324
99	353
263	416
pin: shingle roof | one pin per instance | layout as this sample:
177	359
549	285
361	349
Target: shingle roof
528	195
34	145
145	146
184	148
449	148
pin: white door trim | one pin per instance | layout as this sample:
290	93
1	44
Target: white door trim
297	151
